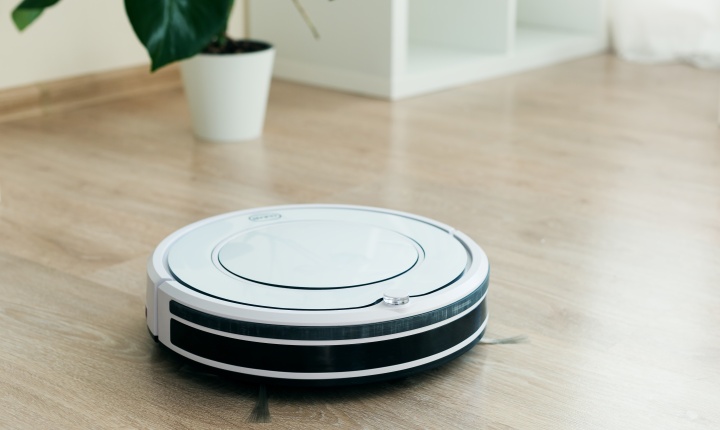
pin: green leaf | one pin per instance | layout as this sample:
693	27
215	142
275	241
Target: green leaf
172	30
27	11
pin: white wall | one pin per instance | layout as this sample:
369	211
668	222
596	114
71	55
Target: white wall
72	38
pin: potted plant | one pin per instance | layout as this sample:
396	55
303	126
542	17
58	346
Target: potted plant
226	81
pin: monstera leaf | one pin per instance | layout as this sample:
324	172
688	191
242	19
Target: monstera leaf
27	11
172	30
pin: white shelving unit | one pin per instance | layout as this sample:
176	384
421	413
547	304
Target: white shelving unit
402	48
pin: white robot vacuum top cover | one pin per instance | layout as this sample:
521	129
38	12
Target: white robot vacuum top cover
323	294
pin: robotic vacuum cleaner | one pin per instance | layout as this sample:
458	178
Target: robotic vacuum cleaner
318	294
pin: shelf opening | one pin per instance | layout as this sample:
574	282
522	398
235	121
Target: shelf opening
453	33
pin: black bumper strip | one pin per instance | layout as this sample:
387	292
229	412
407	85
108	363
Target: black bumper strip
272	331
326	358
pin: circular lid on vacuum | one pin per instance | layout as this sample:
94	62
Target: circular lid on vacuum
315	254
322	258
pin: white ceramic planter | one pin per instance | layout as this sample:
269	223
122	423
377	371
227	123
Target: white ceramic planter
227	94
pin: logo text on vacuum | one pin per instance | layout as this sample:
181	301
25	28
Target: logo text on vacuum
265	217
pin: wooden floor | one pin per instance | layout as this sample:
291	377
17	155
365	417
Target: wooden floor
593	186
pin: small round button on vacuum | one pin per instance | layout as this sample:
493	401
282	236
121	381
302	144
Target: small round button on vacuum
396	298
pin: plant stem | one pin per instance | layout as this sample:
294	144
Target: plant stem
229	12
306	17
221	39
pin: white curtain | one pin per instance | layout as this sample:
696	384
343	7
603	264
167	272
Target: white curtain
667	30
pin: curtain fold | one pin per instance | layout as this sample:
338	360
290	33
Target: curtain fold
655	31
